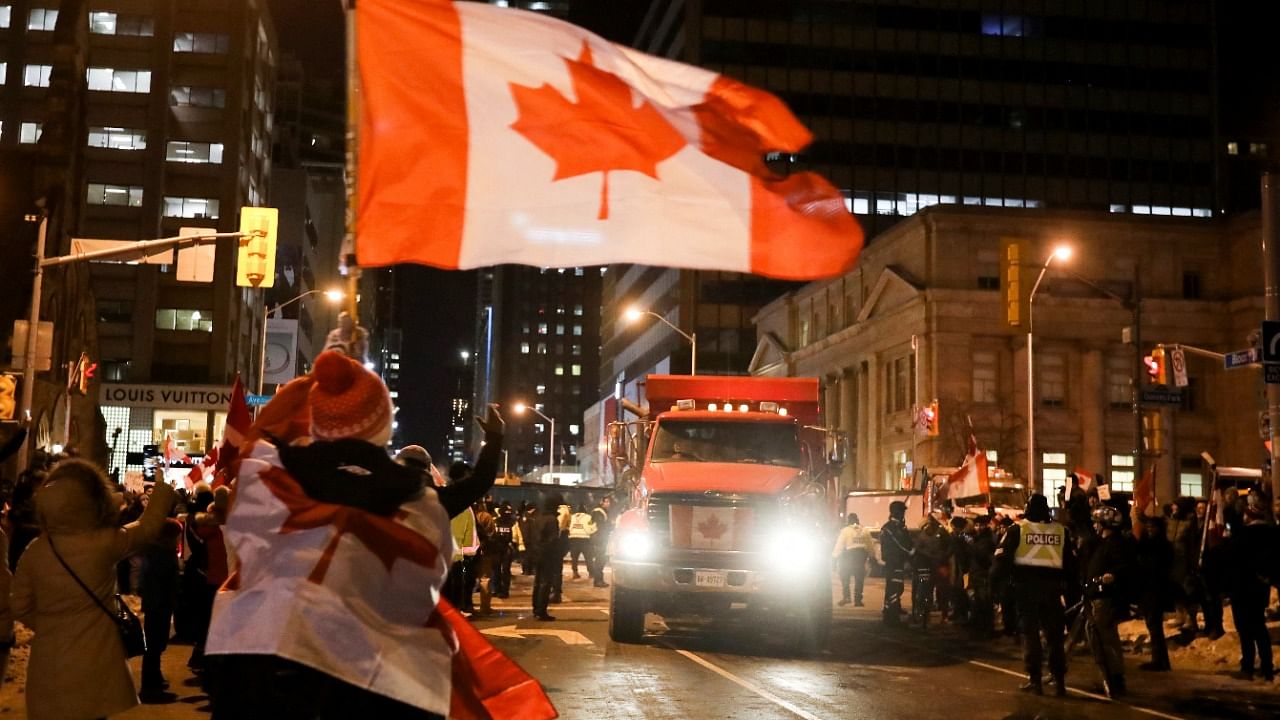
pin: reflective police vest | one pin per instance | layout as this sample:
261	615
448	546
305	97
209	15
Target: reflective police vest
1040	545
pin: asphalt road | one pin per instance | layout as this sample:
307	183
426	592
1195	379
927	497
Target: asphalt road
744	668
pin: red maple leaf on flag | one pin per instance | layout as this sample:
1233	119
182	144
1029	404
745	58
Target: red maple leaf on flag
601	132
712	528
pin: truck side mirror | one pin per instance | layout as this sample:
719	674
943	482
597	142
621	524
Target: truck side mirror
618	442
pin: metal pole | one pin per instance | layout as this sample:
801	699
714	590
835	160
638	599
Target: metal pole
1271	275
29	357
1031	410
1138	456
693	360
262	345
350	162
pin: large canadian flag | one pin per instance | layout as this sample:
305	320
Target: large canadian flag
971	479
492	135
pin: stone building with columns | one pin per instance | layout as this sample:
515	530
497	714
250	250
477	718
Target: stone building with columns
921	318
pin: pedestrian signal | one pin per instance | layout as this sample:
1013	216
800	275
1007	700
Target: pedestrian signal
1156	367
8	397
256	263
929	418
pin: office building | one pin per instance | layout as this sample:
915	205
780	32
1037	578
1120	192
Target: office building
170	130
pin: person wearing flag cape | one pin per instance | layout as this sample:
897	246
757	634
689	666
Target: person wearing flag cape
335	608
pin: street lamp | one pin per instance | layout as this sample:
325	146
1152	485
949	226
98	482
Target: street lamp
634	314
1062	252
551	439
333	296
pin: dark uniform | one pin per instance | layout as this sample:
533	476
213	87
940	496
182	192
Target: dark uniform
1035	555
896	548
504	541
982	550
1111	555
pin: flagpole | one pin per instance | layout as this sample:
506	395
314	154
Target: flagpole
350	163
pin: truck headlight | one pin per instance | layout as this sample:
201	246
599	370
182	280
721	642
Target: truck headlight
634	545
791	551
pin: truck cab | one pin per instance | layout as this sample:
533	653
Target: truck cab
729	505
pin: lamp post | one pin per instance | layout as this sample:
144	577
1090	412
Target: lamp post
551	439
634	314
1060	253
332	296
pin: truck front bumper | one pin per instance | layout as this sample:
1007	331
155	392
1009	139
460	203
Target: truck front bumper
718	573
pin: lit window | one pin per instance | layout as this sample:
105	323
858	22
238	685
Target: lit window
542	348
42	19
577	272
1122	472
116	138
119	195
541	389
1233	148
577	310
577	350
559	329
524	348
29	132
573	429
1258	149
194	152
1119	388
6	12
1190	484
575	370
542	328
112	80
577	329
559	370
188	42
110	23
993	457
36	75
184	320
188	96
1054	474
4	72
190	207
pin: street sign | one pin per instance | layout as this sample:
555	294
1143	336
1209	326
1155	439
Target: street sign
1163	396
568	637
1178	361
1271	374
1240	358
257	400
1270	341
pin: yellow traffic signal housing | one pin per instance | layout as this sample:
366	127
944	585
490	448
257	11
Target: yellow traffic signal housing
933	418
1157	367
1014	294
256	264
8	397
1152	432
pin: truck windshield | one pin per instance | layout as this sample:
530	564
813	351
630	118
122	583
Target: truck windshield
765	443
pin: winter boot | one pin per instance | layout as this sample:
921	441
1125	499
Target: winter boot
1032	686
1060	685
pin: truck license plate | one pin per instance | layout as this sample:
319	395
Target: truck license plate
709	578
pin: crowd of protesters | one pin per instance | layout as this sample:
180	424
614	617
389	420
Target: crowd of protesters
1055	578
73	542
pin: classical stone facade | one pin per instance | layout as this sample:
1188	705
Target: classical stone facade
932	282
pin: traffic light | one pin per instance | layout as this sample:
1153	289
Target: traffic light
1014	296
929	418
1157	369
87	371
8	397
1152	429
256	264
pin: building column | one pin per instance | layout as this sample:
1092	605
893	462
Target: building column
849	423
869	426
1093	417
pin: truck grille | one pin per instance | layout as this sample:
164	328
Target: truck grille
709	521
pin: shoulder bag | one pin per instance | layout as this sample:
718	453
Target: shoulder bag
130	627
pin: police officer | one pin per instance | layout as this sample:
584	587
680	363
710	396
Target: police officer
1035	554
506	537
852	549
896	547
1107	574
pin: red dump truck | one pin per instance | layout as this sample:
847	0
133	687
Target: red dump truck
731	485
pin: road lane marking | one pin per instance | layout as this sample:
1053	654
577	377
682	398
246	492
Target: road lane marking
1006	671
749	686
570	637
